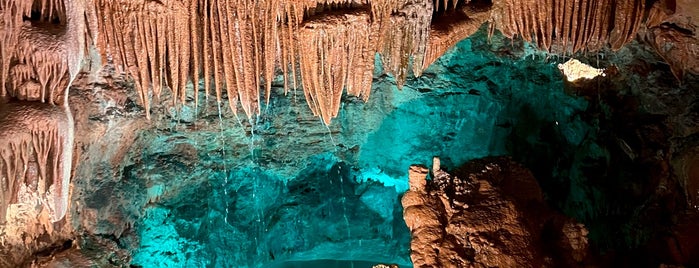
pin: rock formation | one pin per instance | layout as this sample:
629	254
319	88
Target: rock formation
36	152
41	54
237	47
238	51
36	156
491	214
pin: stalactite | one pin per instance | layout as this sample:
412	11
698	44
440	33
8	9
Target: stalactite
627	23
235	42
12	21
572	25
405	35
242	44
238	45
245	63
446	31
270	34
233	81
35	131
337	47
40	59
46	48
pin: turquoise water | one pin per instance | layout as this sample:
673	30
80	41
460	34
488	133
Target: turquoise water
289	192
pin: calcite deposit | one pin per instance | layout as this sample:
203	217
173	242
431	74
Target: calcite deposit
490	213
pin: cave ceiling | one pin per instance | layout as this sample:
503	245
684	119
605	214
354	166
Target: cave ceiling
234	48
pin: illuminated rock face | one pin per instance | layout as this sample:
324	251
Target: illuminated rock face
37	145
575	70
235	48
491	214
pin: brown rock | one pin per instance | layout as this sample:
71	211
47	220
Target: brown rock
493	217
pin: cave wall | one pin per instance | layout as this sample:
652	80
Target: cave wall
600	156
288	187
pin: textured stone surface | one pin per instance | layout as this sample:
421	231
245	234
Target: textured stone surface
491	214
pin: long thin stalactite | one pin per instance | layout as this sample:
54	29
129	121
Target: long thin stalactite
236	47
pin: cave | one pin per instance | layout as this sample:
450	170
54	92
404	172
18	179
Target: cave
349	133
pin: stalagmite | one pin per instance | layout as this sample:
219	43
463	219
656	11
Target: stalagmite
487	213
424	216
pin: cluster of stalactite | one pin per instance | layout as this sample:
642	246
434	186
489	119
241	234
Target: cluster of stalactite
338	54
236	46
42	48
36	143
41	52
33	73
569	26
448	29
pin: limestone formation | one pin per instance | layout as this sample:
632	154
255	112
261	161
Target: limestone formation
38	57
575	70
571	26
489	215
237	47
36	151
41	54
447	30
338	55
679	48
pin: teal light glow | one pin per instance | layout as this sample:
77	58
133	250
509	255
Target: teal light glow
289	194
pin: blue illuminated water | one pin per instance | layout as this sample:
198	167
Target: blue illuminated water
298	194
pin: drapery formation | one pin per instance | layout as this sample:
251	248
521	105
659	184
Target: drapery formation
35	73
337	53
42	49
